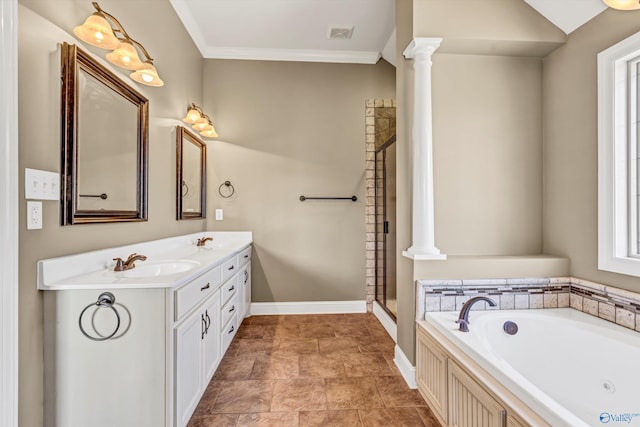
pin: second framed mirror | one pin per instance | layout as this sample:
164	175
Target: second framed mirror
191	161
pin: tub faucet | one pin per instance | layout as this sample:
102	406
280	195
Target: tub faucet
202	241
463	318
122	265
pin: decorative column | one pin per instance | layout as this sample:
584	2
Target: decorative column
423	244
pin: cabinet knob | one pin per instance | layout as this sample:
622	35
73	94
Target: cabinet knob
232	267
232	329
231	289
205	287
232	309
246	256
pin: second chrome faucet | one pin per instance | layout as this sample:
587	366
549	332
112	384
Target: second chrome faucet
122	265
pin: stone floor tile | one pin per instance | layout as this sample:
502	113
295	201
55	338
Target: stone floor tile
391	417
345	418
352	393
269	419
275	366
244	396
312	365
366	364
395	392
217	420
338	345
299	395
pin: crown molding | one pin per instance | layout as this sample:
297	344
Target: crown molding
303	55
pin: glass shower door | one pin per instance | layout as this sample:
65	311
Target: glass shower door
385	176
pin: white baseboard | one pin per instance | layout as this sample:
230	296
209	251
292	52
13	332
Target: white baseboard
308	307
387	322
407	370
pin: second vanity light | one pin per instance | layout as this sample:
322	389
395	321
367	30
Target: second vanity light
200	121
98	31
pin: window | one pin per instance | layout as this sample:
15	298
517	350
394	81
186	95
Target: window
618	157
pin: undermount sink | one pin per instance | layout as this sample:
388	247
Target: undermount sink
158	268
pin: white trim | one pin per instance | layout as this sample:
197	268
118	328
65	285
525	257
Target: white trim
298	55
407	370
613	152
308	307
387	322
9	223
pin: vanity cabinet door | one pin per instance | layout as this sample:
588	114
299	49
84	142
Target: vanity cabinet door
244	300
470	405
212	348
431	374
189	372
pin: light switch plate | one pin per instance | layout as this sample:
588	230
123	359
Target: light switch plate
41	185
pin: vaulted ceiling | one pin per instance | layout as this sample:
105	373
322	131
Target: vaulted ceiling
354	31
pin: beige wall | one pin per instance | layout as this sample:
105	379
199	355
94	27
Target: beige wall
179	64
570	145
487	130
291	129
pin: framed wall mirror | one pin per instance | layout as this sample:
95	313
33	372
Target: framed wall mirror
104	143
191	160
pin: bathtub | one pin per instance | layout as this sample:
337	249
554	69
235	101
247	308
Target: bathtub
570	368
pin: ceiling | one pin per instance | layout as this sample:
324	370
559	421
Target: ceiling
299	30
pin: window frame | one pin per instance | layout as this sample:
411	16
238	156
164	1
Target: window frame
617	121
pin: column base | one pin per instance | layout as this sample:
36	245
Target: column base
424	254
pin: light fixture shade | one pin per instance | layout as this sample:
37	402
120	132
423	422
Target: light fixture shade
203	126
147	75
126	56
193	116
210	133
97	32
623	4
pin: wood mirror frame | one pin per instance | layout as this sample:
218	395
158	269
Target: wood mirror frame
195	208
84	79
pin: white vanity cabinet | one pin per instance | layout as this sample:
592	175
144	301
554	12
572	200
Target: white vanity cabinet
197	349
172	335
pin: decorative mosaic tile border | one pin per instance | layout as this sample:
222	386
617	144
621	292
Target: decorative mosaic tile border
606	302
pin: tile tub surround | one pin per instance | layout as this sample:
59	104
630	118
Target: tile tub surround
606	302
311	370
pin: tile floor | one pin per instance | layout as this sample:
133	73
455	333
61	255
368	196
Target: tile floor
311	370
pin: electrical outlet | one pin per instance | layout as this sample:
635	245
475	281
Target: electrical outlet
219	215
34	215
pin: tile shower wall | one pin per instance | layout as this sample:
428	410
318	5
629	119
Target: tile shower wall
606	302
379	126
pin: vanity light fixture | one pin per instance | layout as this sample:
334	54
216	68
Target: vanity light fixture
103	30
623	4
200	121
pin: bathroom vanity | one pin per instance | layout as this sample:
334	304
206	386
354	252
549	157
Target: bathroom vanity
138	347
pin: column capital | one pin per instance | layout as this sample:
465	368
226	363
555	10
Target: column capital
422	47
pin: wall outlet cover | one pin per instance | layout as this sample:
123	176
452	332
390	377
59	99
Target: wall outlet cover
34	215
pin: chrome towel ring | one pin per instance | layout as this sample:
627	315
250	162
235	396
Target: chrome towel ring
105	300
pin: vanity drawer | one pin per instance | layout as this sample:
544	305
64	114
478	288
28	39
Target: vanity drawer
189	295
229	310
229	268
228	333
244	256
229	289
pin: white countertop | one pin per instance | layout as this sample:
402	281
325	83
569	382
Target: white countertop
94	270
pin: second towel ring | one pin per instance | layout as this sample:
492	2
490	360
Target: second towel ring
230	191
105	300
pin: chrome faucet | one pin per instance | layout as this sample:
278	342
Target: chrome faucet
463	318
122	265
202	241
